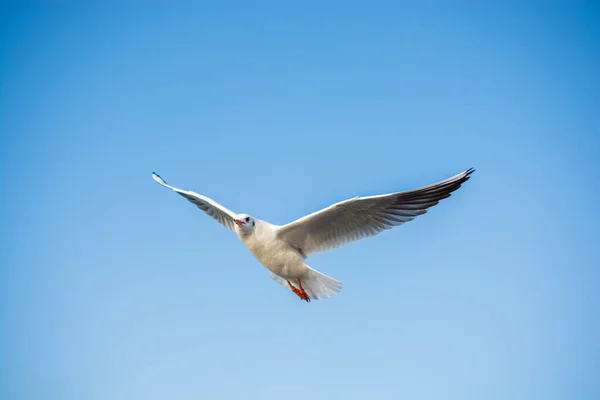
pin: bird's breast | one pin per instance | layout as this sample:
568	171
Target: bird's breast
272	252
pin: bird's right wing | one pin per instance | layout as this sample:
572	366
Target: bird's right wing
221	213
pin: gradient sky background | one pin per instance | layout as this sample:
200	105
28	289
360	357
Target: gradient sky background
112	287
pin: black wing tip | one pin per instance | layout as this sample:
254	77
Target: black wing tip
158	178
467	175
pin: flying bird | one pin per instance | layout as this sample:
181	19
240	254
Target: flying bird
283	249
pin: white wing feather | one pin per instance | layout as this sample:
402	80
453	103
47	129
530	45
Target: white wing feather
361	217
219	212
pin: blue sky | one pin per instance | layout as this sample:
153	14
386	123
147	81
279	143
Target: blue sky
111	287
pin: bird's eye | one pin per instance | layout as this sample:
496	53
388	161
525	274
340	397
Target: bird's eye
247	219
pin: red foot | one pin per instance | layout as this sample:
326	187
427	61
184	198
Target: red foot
299	292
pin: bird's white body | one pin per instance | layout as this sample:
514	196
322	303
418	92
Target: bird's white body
278	256
283	249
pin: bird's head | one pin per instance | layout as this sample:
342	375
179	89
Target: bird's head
244	223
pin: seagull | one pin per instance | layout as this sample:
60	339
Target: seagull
283	249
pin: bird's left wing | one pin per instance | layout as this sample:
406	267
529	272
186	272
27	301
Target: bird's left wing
361	217
221	213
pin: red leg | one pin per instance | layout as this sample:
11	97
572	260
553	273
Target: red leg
303	292
299	292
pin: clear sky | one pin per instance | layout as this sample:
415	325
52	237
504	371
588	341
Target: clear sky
112	287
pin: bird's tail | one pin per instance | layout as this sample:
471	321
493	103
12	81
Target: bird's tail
316	284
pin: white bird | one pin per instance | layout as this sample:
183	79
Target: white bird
283	248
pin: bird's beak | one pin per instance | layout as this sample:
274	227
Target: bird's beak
238	222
